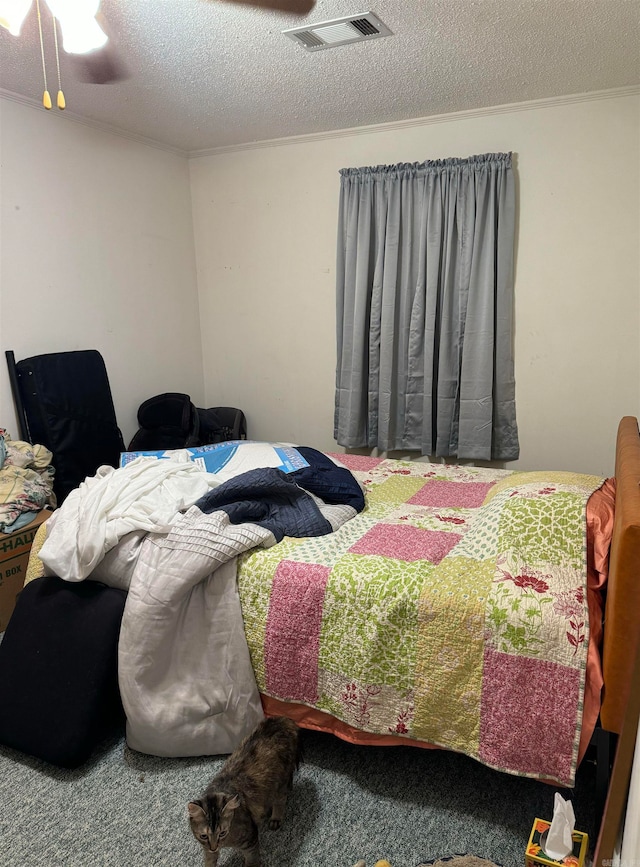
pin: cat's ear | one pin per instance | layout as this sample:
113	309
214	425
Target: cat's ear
231	805
195	809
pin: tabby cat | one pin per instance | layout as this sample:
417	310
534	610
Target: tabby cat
251	787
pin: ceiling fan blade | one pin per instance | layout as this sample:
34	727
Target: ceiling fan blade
103	66
99	67
293	7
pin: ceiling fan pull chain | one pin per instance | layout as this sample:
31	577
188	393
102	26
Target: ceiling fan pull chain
46	96
60	100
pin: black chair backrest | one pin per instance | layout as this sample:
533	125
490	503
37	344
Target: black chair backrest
222	423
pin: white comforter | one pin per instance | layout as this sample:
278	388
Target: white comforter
147	495
184	670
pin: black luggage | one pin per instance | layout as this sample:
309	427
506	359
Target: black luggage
63	401
59	670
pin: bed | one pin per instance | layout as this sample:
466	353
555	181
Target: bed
461	609
414	522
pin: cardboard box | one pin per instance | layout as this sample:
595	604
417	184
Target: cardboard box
14	556
535	853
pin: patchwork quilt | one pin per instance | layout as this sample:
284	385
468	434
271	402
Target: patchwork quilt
452	610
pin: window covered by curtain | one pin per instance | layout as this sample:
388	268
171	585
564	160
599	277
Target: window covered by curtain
425	308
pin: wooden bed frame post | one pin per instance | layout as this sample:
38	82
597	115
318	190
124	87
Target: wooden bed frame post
612	818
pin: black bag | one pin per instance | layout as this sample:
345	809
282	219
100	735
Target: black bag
167	421
59	670
63	401
171	421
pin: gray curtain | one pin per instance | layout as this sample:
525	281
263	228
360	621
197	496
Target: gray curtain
425	308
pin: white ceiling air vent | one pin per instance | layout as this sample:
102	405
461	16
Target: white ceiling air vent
340	31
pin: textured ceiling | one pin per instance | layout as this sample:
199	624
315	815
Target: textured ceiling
205	74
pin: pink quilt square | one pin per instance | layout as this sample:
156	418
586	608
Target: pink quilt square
453	495
356	463
402	542
292	639
511	734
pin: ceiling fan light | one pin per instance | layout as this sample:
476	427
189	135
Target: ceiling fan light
12	14
81	32
79	37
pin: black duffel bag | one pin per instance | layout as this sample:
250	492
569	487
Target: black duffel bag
171	421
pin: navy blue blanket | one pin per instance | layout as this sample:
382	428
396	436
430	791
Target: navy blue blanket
323	478
278	501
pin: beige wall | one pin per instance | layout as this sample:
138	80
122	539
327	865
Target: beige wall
96	251
96	235
265	231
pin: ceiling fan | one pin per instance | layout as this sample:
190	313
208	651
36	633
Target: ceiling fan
86	38
293	7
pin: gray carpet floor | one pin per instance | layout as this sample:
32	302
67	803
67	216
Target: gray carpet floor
126	809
